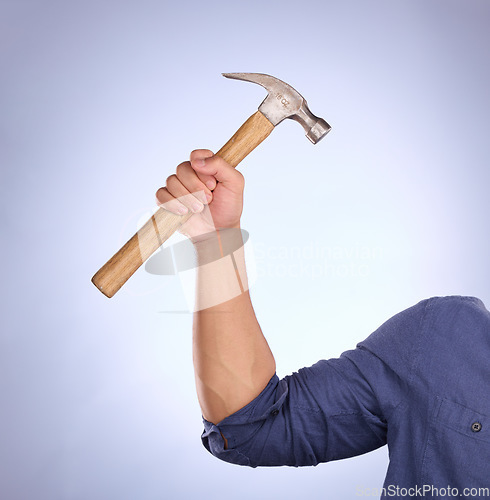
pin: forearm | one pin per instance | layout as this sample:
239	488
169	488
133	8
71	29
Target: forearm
232	360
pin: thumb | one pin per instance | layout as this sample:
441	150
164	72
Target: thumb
217	167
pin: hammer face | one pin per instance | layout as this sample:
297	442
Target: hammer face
282	102
315	128
318	131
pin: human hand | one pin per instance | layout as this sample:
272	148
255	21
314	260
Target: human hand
208	187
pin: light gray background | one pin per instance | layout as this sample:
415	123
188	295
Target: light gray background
101	100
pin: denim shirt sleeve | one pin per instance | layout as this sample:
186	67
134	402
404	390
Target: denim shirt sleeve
335	409
325	412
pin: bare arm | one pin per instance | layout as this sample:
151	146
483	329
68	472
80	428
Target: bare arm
232	360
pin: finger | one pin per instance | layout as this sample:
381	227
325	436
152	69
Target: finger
165	200
178	190
191	181
219	169
199	154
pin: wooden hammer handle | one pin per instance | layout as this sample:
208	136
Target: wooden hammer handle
121	266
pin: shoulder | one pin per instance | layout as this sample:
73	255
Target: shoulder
454	319
411	333
448	309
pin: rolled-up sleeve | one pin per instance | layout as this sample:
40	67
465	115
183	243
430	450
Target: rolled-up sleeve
325	412
243	426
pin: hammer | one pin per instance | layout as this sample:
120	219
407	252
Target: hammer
282	102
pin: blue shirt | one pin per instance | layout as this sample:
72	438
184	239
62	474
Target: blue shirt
420	384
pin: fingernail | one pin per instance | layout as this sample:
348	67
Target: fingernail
197	207
182	210
200	162
210	185
209	197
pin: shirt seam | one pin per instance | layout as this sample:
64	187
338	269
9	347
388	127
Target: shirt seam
422	327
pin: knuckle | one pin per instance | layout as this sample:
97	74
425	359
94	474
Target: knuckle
171	179
181	169
240	178
162	196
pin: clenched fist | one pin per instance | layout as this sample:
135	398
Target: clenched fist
207	186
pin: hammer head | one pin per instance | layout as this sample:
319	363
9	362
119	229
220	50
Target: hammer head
284	102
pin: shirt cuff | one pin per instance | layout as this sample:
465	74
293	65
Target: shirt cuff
242	425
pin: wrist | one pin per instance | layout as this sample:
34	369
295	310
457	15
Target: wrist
221	272
215	234
215	245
